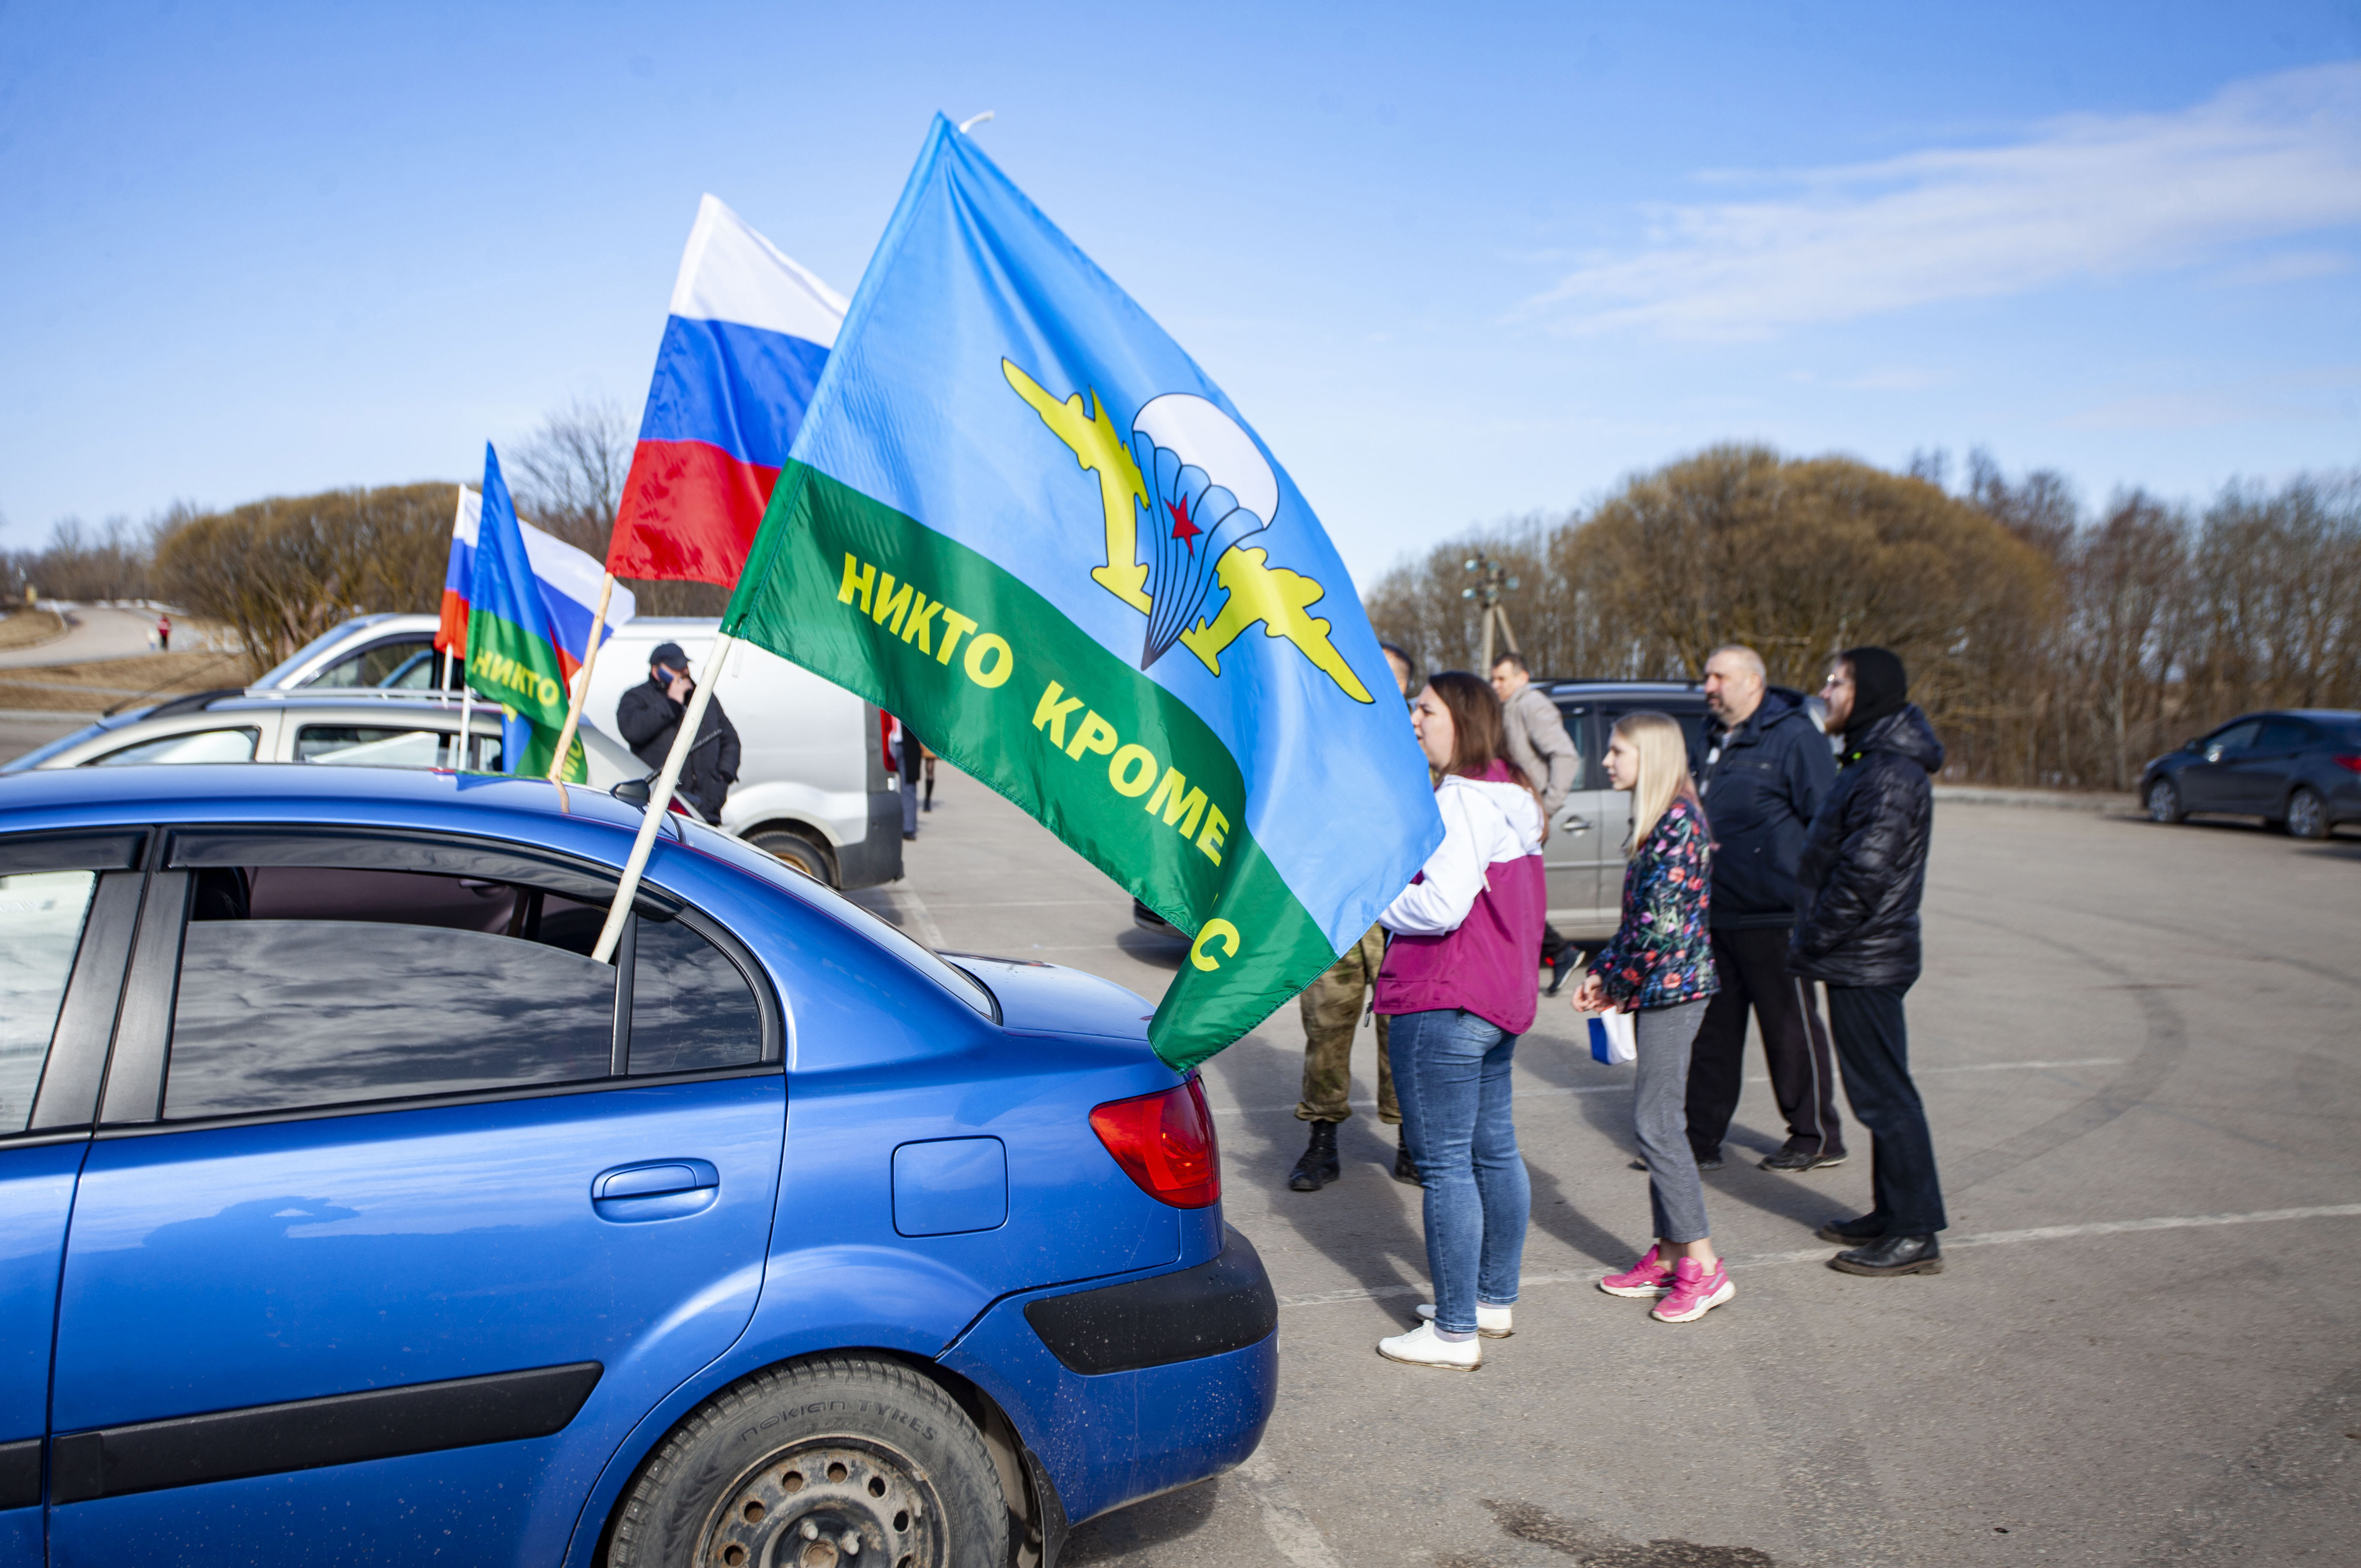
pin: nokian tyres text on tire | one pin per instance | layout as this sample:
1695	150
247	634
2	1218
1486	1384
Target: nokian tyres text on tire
835	1460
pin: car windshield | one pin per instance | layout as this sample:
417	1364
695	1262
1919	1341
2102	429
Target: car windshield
777	872
295	661
39	754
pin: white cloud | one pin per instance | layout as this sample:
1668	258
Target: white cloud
2088	196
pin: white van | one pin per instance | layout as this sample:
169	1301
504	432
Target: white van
812	787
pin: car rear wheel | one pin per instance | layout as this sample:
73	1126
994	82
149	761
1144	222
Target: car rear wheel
2163	802
838	1459
2307	815
799	851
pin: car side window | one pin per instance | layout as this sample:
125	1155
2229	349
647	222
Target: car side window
691	1007
1577	720
2236	737
41	916
306	986
233	745
372	746
2283	735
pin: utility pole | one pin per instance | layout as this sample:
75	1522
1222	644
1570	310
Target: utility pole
1490	585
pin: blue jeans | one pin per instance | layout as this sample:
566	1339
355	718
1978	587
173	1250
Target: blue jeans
1451	1074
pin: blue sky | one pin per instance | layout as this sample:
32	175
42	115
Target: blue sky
1453	263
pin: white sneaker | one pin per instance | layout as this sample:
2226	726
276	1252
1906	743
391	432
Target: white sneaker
1420	1347
1492	1322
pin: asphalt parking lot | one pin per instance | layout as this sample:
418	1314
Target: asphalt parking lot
2139	1052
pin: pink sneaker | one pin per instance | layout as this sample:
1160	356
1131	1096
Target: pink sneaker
1694	1292
1646	1277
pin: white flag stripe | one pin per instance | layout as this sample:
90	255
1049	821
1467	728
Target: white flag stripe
729	273
564	572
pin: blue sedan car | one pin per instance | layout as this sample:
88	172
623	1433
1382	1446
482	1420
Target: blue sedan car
349	1213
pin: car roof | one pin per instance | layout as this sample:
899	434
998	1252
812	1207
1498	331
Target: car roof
1615	688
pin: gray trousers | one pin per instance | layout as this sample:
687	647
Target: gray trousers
1660	1116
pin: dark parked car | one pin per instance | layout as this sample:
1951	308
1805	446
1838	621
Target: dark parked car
2298	768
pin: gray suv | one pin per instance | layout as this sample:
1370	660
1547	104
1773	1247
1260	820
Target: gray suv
1583	857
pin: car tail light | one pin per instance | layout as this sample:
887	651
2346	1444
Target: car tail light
2350	764
1165	1143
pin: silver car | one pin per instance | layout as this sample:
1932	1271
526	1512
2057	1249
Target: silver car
347	728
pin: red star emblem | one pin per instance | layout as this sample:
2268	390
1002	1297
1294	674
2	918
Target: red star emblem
1182	529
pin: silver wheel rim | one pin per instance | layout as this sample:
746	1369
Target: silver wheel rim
832	1503
2303	815
2160	803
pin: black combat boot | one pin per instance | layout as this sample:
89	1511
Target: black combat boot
1318	1166
1405	1168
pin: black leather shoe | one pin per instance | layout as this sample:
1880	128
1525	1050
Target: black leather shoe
1851	1232
1405	1168
1568	961
1891	1255
1794	1160
1318	1166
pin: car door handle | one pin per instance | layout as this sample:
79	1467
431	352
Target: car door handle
654	1189
1572	824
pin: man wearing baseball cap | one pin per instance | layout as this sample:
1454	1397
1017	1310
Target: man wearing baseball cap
648	717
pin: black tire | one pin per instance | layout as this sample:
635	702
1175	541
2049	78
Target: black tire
2164	802
837	1444
800	850
2307	813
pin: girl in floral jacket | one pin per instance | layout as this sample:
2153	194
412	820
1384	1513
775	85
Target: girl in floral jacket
1660	965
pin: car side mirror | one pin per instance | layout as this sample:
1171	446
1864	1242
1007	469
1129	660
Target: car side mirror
2194	743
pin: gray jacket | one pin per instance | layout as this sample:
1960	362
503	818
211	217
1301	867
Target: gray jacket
1539	746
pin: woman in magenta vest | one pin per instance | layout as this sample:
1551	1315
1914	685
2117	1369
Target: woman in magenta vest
1459	982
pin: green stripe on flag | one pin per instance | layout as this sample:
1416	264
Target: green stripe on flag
996	679
520	671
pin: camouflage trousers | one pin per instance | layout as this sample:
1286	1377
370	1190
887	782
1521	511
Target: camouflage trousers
1332	1016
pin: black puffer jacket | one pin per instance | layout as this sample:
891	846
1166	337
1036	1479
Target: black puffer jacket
1864	862
1761	790
649	720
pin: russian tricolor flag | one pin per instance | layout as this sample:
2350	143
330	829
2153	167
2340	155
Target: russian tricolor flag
568	577
749	333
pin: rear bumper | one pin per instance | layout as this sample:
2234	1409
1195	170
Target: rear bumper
1183	1375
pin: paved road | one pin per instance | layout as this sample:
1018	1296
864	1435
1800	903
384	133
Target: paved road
2139	1053
91	634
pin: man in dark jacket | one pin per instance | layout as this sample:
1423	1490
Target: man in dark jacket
1765	777
1863	869
648	717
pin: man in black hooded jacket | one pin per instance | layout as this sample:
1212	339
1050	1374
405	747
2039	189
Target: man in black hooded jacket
1862	872
650	715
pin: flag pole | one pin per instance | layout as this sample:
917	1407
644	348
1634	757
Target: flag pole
582	691
660	799
466	711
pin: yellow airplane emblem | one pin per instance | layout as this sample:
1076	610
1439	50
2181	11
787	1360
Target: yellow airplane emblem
1257	591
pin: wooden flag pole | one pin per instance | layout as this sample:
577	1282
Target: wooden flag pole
660	799
582	691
